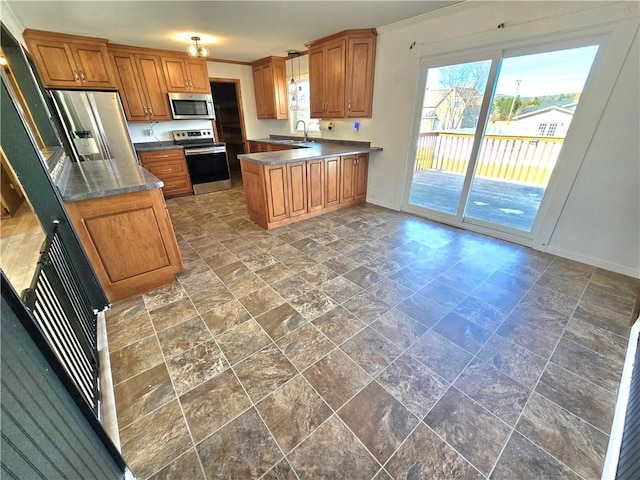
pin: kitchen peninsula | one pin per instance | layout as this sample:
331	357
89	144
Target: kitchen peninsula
118	211
298	180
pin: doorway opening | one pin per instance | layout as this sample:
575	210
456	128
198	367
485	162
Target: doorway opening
227	101
21	234
490	134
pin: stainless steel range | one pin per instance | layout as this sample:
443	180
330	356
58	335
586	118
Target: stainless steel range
206	160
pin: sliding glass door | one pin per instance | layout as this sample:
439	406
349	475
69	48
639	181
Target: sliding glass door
450	112
489	136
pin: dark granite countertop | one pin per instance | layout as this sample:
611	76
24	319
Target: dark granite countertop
104	178
306	151
154	146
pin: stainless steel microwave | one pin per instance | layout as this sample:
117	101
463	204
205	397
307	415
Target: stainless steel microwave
191	106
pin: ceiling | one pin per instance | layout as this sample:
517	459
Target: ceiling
234	30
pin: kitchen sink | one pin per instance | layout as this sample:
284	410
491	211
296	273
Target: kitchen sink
286	141
289	141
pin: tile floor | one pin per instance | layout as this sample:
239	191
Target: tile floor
365	343
21	238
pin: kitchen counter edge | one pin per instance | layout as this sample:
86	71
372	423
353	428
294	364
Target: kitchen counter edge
307	151
156	146
105	178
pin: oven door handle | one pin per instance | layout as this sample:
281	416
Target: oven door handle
204	151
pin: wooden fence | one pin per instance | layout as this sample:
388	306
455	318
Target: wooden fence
528	160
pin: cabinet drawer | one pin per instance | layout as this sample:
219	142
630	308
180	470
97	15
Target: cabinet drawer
161	155
258	147
167	168
276	148
176	186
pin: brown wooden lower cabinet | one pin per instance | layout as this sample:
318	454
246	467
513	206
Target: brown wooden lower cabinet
277	195
170	166
129	240
332	181
353	172
360	178
297	188
282	194
257	147
316	184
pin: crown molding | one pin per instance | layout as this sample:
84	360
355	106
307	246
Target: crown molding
441	12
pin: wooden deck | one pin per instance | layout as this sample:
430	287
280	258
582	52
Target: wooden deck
497	201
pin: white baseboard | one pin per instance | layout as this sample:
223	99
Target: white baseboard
109	419
596	262
382	203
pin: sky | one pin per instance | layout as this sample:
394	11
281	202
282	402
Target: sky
549	73
564	71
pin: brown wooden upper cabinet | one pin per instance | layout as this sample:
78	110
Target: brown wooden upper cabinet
141	84
70	61
270	85
341	69
327	79
186	74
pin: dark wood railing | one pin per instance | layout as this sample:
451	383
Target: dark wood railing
61	310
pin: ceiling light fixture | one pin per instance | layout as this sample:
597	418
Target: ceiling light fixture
197	50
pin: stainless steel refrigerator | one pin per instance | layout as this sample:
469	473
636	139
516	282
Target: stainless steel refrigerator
94	124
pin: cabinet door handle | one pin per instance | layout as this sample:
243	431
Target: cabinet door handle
163	156
146	111
349	105
77	77
166	170
82	77
150	112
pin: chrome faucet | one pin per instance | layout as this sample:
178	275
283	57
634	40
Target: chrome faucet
304	126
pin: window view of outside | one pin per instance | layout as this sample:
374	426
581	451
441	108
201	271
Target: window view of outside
303	112
533	105
450	110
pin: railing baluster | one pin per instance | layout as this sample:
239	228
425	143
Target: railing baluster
62	312
505	157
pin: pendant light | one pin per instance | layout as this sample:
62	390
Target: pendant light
292	86
300	94
197	50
